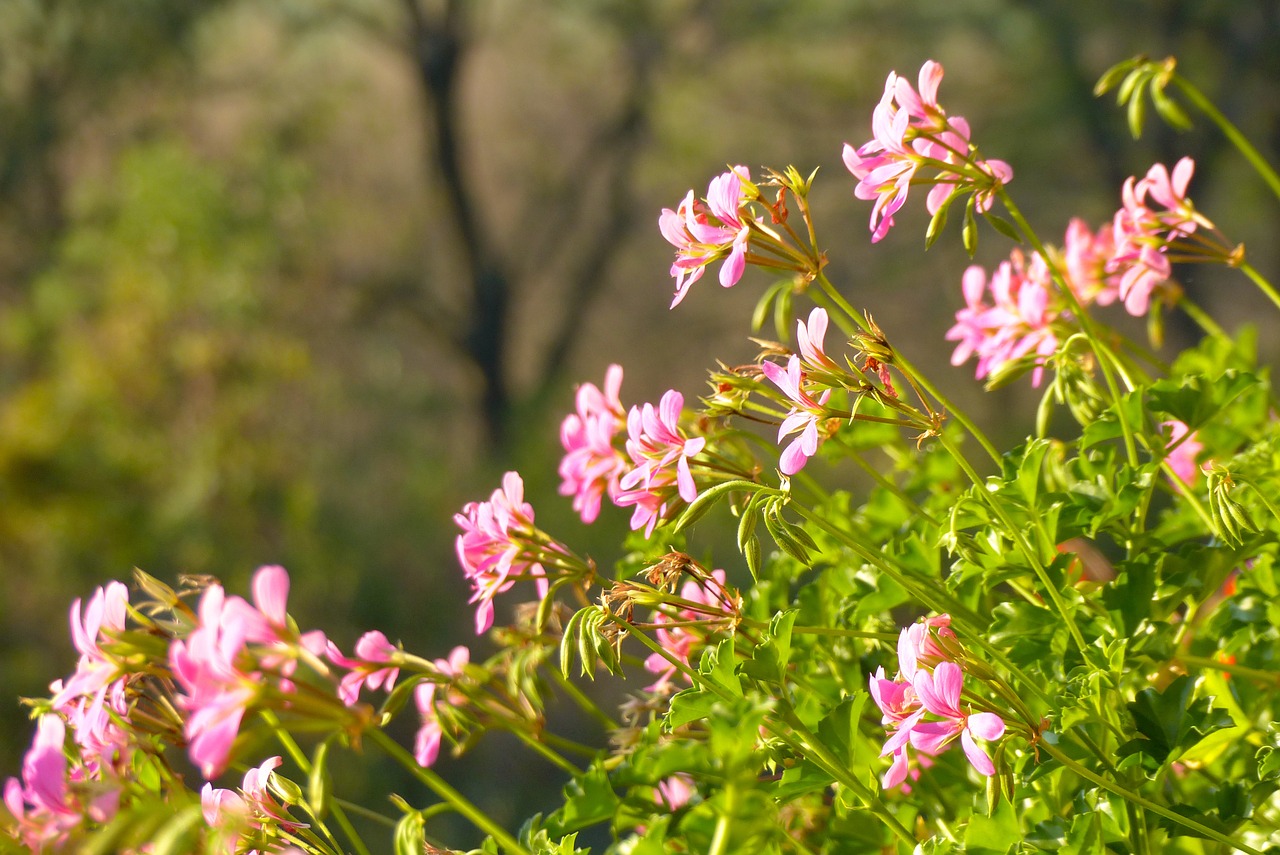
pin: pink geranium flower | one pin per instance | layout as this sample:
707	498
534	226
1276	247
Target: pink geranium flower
939	694
592	465
660	453
42	802
1019	320
706	231
105	613
369	667
1154	215
496	545
1182	451
806	412
217	674
431	731
911	131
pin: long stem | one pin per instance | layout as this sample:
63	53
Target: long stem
584	703
910	371
1135	798
441	788
1107	360
1231	132
304	763
1263	285
1015	532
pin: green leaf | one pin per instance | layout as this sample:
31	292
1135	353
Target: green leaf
588	799
1197	398
707	499
1003	226
690	705
995	834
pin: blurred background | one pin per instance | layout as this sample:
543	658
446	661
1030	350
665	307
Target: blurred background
289	282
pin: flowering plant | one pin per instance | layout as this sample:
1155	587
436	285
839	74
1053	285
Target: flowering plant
1088	616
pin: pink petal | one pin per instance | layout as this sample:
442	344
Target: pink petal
271	593
976	755
985	725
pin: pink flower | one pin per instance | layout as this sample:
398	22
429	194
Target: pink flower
1086	255
661	454
106	612
803	418
675	791
1019	321
215	691
703	232
42	802
810	342
217	675
1144	232
909	131
495	546
592	465
234	817
368	668
430	733
1182	451
939	694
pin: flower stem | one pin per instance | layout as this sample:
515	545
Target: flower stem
1231	132
1263	285
1107	360
909	370
1015	533
441	788
304	763
1111	786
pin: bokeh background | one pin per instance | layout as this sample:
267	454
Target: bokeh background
289	282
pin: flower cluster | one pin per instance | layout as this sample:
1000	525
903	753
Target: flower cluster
499	544
217	673
660	453
1155	215
924	707
592	465
705	230
910	131
1026	311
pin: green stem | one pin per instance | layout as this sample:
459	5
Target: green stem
826	630
1263	285
584	703
300	757
1107	360
441	788
1231	132
909	370
1141	801
1266	678
551	756
362	811
1015	533
720	839
1201	317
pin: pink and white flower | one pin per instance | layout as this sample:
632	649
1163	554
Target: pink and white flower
592	465
660	452
806	412
910	131
706	231
497	545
